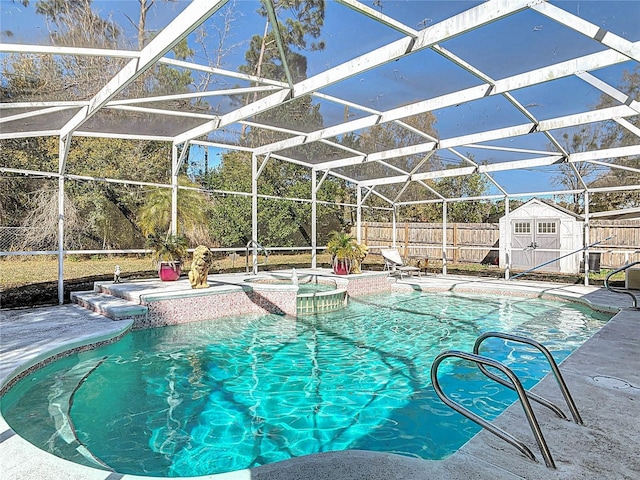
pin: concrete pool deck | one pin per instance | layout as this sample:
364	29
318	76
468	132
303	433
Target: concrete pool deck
603	376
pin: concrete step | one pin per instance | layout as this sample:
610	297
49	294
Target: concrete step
112	307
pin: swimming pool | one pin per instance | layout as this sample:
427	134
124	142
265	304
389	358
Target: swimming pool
225	395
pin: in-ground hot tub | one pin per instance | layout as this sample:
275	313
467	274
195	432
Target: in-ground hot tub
316	293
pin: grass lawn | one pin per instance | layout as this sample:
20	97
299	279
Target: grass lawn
27	270
23	270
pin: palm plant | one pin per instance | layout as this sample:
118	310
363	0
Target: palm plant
166	247
345	251
193	206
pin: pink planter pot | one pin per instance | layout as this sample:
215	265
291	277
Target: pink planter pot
169	271
340	268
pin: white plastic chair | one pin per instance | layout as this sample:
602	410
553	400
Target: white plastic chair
394	264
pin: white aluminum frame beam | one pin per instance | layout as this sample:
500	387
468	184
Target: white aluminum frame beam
186	22
33	113
614	166
609	90
628	125
605	153
59	50
222	72
123	136
534	77
551	124
584	27
160	111
380	17
455	25
186	96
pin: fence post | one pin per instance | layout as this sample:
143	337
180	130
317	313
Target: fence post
456	257
406	240
394	233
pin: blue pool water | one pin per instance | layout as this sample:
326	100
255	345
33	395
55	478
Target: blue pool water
245	391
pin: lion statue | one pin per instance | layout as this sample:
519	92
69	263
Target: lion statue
202	260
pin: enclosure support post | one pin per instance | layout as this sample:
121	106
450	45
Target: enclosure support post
314	220
60	239
254	211
63	152
359	215
507	247
394	236
174	189
444	237
587	241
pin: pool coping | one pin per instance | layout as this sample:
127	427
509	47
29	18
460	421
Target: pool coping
611	352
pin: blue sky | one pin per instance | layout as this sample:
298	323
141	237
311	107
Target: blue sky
523	42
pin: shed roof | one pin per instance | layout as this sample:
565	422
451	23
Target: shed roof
548	205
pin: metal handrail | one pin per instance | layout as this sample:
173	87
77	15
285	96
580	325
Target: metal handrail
552	363
254	243
615	290
517	386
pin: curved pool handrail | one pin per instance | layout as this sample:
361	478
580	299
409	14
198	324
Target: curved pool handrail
552	363
524	401
616	290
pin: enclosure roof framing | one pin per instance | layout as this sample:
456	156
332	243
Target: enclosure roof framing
495	88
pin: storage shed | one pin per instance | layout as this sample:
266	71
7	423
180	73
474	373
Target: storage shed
539	232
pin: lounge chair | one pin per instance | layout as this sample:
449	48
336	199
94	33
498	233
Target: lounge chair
394	264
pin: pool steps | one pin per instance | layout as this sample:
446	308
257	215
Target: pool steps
108	305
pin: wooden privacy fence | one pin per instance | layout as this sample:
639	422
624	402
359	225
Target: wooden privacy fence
623	248
479	242
466	242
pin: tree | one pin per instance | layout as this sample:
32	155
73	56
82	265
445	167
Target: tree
305	21
573	174
109	209
42	222
15	190
193	208
74	23
281	222
615	135
471	211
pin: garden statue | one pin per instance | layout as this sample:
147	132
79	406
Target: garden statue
202	260
360	254
116	274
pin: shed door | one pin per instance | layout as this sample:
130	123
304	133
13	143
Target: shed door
521	241
529	237
547	236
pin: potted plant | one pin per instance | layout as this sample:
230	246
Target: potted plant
346	253
167	252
